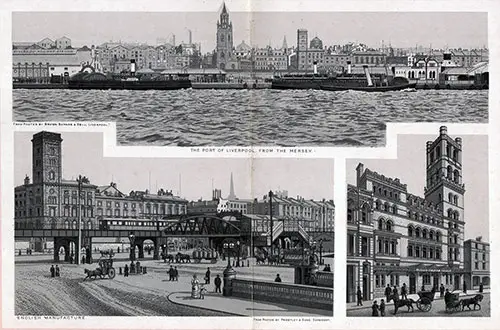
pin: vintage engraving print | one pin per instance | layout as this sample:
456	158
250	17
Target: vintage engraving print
249	164
417	229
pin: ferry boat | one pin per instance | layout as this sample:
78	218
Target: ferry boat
97	80
341	82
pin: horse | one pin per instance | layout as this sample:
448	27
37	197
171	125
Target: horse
180	257
471	301
91	273
401	303
260	259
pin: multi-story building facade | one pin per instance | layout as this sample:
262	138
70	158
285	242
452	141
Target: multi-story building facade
51	202
476	263
394	237
224	48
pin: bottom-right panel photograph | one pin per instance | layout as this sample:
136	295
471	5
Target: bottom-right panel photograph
417	229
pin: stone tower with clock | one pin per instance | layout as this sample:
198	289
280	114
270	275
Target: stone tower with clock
224	39
47	176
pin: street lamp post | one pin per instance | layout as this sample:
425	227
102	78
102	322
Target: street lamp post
228	246
321	251
80	180
131	238
271	219
238	247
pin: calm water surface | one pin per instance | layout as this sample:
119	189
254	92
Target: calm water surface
251	117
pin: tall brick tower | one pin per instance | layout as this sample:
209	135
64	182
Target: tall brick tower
224	39
445	188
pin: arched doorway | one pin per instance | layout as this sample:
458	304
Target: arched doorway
148	246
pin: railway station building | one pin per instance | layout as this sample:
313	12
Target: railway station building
395	237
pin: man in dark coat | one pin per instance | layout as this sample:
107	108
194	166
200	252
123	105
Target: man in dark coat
395	292
217	282
465	287
481	287
441	290
57	271
447	297
375	308
125	271
382	308
278	278
388	292
207	276
171	274
404	292
359	296
176	274
52	271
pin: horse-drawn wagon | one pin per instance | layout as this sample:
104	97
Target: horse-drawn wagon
205	254
425	299
453	303
104	269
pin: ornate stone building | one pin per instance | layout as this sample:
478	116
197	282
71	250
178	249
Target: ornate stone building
395	237
224	48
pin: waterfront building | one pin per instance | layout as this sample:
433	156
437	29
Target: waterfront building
477	263
224	48
301	51
40	64
370	58
395	237
269	59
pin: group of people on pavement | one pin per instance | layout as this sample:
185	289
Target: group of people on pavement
198	290
173	274
55	272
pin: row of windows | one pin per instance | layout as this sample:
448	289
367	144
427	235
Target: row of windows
380	280
386	193
476	265
424	218
424	252
386	207
424	233
386	246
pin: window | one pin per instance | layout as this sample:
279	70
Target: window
380	224
417	232
393	247
389	226
426	279
417	252
364	246
475	255
350	244
476	265
410	231
484	265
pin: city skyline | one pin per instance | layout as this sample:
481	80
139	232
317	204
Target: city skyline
196	175
85	28
410	168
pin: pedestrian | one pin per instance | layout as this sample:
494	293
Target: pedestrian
422	288
278	278
126	270
481	287
395	292
382	307
118	249
217	282
388	292
375	308
359	296
207	276
52	271
447	297
171	273
57	271
404	292
441	290
465	287
176	274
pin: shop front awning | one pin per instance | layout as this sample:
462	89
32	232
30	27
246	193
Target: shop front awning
417	268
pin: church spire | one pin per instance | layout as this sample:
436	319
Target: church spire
231	189
285	45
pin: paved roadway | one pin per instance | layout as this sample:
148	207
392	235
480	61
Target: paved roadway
438	309
39	294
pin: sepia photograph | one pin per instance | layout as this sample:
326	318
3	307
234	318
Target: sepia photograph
125	236
260	78
418	240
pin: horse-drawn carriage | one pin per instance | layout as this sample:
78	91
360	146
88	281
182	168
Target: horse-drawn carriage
425	299
104	269
453	303
205	254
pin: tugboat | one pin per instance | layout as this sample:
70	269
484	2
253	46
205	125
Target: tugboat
342	82
96	80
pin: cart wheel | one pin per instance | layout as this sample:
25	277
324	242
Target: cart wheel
111	273
419	304
458	308
197	261
427	306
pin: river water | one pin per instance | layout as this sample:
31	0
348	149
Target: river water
251	117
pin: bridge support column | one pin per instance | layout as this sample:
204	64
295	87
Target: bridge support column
157	246
140	247
56	249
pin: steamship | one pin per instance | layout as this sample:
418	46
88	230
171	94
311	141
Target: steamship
341	82
132	81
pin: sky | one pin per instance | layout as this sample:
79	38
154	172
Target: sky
410	169
83	155
400	29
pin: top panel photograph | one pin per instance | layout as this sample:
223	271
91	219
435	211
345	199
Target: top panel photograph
229	78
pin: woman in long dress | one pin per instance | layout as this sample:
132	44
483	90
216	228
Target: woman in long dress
195	288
